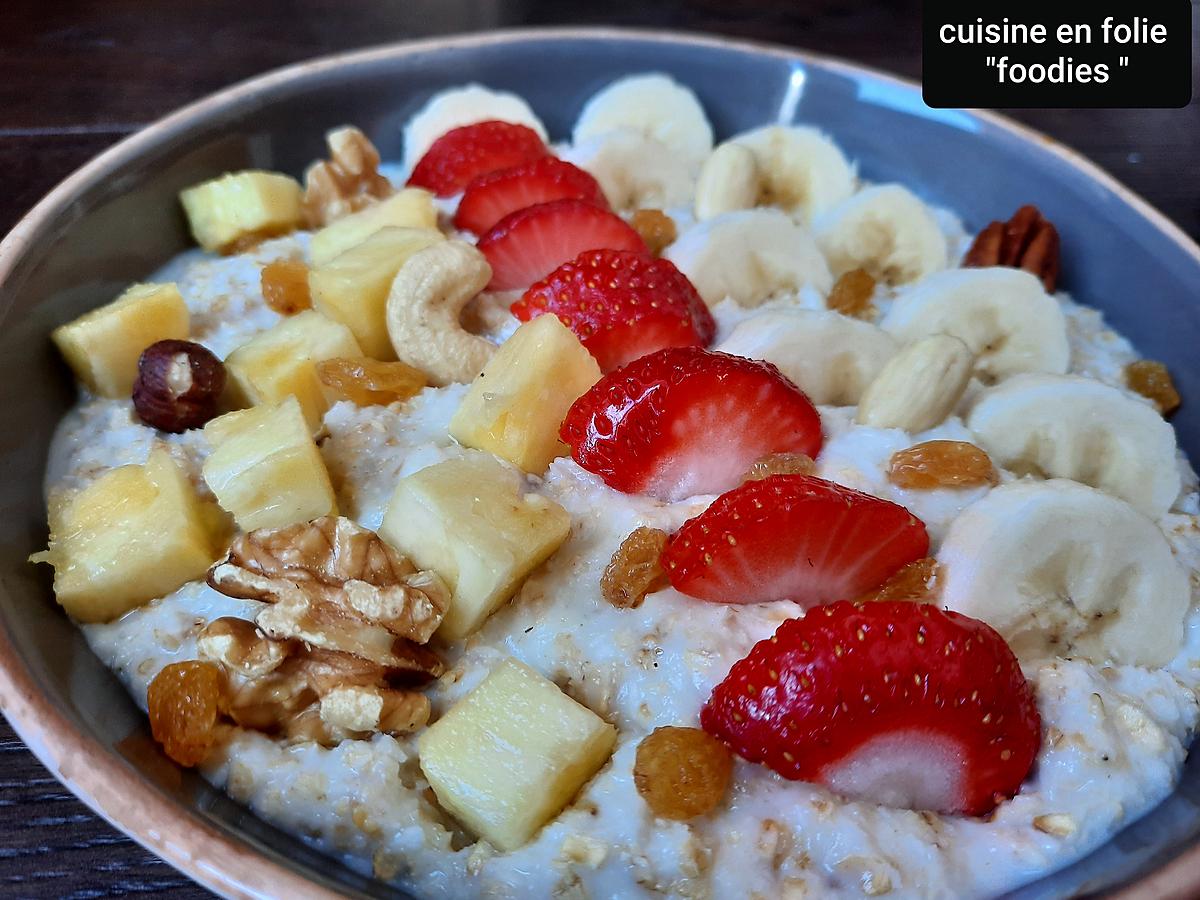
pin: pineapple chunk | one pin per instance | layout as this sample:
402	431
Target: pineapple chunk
242	205
511	754
409	208
134	534
282	361
467	520
102	347
515	407
265	468
353	288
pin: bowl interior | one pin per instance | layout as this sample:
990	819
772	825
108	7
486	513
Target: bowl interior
121	222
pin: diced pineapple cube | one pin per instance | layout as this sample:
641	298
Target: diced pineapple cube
282	361
241	205
467	520
134	534
353	288
266	469
515	407
102	347
409	208
511	754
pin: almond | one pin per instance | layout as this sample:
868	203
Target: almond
919	387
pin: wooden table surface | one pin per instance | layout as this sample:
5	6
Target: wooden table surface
75	76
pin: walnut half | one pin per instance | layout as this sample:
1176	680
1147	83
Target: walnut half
347	182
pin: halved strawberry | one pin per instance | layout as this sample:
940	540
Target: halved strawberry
489	198
792	537
529	244
896	703
621	305
463	154
687	421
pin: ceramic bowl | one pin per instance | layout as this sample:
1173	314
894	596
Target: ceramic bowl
117	219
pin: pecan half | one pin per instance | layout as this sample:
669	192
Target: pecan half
1027	241
348	181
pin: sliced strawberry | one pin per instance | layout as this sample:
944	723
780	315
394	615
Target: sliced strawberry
529	244
792	537
621	305
489	198
897	703
463	154
687	421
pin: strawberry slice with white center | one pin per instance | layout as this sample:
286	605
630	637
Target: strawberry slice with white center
529	244
896	703
687	421
489	198
463	154
792	537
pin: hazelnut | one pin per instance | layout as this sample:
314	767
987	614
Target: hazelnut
177	386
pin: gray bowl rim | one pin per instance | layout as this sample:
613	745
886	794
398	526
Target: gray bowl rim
210	856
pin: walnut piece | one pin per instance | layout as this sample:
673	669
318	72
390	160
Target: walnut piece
241	647
347	182
365	709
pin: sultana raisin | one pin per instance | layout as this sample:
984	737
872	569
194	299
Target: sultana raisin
285	286
186	700
852	293
635	569
1152	380
682	773
656	228
941	464
781	464
369	382
915	581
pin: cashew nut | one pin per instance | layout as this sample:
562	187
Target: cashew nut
728	182
424	312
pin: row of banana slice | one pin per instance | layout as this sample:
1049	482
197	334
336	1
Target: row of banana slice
1068	562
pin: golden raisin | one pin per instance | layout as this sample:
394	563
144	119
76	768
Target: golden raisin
186	700
1152	380
285	286
941	464
369	382
780	464
656	228
915	581
852	293
635	570
682	773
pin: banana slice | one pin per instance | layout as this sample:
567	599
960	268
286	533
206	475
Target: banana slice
831	357
751	256
1063	426
1002	314
1061	569
464	106
887	231
634	171
652	105
800	169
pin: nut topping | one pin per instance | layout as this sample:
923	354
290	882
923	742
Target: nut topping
241	647
367	709
1027	241
348	181
178	385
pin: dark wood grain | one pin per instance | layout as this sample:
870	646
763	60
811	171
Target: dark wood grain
76	76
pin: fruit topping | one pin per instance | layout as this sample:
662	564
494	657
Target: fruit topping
369	382
178	385
781	464
186	701
463	154
1027	241
635	569
941	464
687	421
852	293
491	197
657	229
1152	380
622	305
682	773
345	183
898	703
529	244
915	582
792	537
284	285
